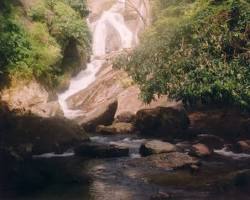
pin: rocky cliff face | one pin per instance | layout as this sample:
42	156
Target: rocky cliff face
30	98
113	84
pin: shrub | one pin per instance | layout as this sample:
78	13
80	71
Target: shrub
199	54
32	45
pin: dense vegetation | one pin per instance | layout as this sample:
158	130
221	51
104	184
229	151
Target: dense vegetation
35	34
195	50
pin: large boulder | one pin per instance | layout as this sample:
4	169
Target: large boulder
97	150
168	122
22	134
129	102
226	122
156	147
102	115
116	128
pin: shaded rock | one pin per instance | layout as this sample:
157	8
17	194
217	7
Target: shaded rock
171	160
211	141
103	115
116	128
29	134
184	146
22	136
126	117
242	146
169	122
227	122
200	150
96	150
239	179
156	147
31	174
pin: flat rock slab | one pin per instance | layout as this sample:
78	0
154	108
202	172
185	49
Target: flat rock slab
156	147
97	150
116	128
171	160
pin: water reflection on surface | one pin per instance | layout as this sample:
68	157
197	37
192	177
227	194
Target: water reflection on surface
118	179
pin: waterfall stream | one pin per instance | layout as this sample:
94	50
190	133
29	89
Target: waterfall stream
111	18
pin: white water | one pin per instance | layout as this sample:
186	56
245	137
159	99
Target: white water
236	156
54	155
100	29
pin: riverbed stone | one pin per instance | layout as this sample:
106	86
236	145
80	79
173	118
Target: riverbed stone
116	128
156	147
98	150
211	141
200	150
243	146
172	160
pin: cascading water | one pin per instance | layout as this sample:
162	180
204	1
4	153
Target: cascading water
100	29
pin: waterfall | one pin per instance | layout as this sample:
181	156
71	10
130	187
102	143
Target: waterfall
100	29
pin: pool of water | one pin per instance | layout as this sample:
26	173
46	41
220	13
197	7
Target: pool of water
115	179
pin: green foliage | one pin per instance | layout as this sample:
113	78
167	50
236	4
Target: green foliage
199	54
15	46
67	24
79	6
32	46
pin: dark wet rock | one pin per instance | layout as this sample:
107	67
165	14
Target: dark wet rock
194	169
156	147
116	128
97	150
171	160
200	150
22	136
127	117
103	115
29	134
212	141
32	174
184	146
229	123
238	179
161	196
242	146
168	122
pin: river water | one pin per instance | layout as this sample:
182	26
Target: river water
123	179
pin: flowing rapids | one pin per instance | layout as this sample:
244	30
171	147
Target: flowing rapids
111	23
